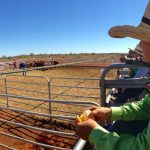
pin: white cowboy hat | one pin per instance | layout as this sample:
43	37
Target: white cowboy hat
137	50
141	32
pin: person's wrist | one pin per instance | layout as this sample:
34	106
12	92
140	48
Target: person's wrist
109	112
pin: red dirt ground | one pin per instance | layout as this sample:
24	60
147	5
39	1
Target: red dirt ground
37	136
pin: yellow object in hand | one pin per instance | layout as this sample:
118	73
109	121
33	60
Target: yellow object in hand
83	116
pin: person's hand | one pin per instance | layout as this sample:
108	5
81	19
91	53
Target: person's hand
100	113
123	59
84	128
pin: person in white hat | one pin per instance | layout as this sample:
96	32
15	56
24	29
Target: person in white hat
138	51
137	54
102	139
137	60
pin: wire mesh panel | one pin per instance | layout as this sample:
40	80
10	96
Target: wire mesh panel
76	89
27	86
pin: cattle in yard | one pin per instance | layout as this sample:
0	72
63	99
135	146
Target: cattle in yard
39	63
54	62
51	62
31	64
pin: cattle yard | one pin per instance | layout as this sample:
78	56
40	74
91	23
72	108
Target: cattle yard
57	83
38	110
27	101
46	60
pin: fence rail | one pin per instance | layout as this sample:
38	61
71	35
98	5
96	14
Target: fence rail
11	122
9	97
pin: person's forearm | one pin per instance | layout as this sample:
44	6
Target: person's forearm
132	111
101	139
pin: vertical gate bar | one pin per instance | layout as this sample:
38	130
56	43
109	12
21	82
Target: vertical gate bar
49	96
6	90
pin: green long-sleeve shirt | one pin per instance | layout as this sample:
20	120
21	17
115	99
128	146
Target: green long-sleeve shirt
104	140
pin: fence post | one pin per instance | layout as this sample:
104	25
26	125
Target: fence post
49	96
6	89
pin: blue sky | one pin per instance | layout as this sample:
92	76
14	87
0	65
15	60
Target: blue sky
66	26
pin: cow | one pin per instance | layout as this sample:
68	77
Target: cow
54	62
39	63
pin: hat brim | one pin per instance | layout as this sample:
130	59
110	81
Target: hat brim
130	31
130	49
135	51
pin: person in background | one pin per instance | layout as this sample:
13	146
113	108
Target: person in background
137	59
141	72
137	54
15	65
140	110
130	53
24	68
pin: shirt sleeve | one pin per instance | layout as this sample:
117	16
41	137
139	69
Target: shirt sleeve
139	110
101	139
104	140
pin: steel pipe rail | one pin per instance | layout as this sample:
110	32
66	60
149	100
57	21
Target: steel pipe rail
21	89
40	107
32	76
51	100
8	147
38	129
94	97
75	87
104	83
43	107
79	145
127	83
74	78
114	66
53	66
32	142
33	83
39	114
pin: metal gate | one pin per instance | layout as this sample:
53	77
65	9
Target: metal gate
30	97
